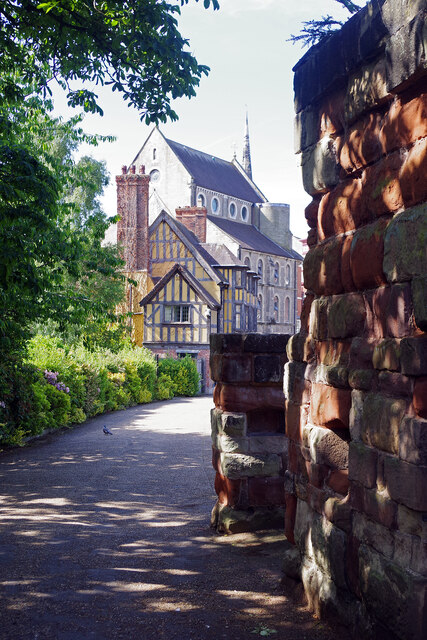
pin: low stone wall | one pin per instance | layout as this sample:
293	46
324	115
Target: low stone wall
356	380
249	451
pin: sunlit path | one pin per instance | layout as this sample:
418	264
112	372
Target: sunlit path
108	537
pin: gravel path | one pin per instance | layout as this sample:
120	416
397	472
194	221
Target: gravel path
107	537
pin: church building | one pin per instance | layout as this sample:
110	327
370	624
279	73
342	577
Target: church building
208	253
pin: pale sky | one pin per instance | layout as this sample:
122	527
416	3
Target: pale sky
244	44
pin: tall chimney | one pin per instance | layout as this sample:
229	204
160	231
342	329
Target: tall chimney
194	218
132	228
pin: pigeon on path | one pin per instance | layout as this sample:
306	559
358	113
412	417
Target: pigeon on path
106	430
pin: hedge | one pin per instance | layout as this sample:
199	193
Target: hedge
60	385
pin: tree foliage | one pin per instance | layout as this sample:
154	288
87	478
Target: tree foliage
133	46
314	31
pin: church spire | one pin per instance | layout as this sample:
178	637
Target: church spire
247	166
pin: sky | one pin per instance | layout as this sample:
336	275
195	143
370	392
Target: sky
245	45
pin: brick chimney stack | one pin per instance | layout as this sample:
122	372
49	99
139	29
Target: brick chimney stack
194	218
132	228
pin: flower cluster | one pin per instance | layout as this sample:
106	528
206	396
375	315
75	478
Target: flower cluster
52	378
2	404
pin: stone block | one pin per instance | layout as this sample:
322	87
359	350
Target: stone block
305	312
387	355
406	483
291	562
409	521
228	520
420	397
234	444
392	383
236	368
419	299
405	53
338	481
317	473
363	379
413	440
216	459
312	238
366	89
266	492
330	406
347	315
319	318
367	254
239	398
375	505
356	415
412	174
338	511
320	170
405	245
231	492
322	268
404	123
233	424
335	376
225	342
362	464
381	185
373	534
327	448
266	421
333	352
397	13
306	129
361	352
341	210
268	368
260	343
296	419
346	277
215	421
276	443
413	356
295	387
310	213
300	348
237	465
381	421
360	146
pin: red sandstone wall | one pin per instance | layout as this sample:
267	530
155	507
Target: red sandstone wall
356	381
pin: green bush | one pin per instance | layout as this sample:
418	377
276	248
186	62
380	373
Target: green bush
183	372
62	383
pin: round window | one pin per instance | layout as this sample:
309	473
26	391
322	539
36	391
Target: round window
154	175
244	213
232	210
215	205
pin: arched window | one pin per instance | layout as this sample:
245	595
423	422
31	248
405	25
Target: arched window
259	308
201	200
276	309
244	213
288	274
287	309
247	262
260	268
154	154
276	273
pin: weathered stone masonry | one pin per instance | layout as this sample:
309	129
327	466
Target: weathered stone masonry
356	380
248	430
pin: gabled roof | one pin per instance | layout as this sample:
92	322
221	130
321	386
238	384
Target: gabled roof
191	242
249	237
189	278
216	174
222	256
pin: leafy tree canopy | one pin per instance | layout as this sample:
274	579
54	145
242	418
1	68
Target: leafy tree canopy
133	46
315	31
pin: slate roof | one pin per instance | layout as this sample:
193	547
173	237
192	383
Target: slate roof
222	255
215	174
249	237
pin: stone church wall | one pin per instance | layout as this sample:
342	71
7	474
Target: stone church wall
356	380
